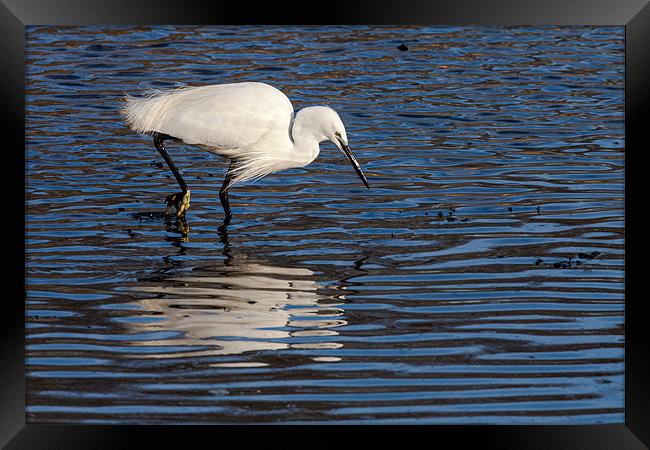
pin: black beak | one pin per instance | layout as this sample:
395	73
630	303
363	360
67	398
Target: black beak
355	164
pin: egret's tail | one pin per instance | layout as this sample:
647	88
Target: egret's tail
142	114
145	114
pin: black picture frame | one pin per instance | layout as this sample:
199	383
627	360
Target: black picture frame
634	15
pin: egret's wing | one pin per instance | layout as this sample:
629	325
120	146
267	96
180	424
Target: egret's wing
225	116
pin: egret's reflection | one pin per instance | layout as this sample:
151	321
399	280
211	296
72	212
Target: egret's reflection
241	305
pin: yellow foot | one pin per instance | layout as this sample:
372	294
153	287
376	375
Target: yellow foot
180	201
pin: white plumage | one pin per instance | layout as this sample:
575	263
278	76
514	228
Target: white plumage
253	124
246	122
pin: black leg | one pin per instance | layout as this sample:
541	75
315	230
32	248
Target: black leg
223	196
181	201
158	140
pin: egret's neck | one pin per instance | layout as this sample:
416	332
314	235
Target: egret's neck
306	136
305	147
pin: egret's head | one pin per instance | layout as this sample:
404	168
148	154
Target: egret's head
333	128
322	123
325	124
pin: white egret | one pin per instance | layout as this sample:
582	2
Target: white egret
252	124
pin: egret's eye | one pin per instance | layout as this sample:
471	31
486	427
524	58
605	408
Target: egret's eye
337	134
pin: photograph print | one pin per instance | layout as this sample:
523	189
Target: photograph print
325	224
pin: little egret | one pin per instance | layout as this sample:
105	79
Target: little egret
252	124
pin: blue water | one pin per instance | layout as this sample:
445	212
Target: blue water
480	280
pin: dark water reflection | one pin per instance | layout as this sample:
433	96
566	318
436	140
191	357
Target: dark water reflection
479	281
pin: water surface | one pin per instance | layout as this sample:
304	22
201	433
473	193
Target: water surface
479	281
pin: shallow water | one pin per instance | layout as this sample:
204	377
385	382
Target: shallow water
479	281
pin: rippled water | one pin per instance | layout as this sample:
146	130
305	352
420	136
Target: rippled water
479	281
